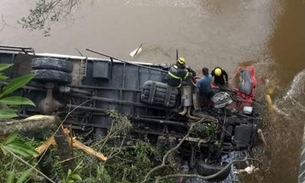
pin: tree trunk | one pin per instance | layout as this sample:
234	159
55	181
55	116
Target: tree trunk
37	122
46	166
65	150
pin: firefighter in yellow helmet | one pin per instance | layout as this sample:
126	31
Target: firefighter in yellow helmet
178	73
220	76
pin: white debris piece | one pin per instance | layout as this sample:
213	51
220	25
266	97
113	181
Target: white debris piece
249	169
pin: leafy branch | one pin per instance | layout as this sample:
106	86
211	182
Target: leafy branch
163	164
9	102
46	12
11	145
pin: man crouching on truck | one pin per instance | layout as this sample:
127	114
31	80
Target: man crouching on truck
204	86
178	73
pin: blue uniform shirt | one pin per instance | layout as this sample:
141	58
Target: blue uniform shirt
204	84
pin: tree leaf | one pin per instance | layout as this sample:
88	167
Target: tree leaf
25	148
4	66
4	151
16	100
11	138
21	149
24	176
7	114
69	172
3	77
16	84
16	150
76	177
10	178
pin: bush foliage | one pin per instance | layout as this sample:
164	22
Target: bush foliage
9	103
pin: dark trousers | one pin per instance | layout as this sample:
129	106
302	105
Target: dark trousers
206	98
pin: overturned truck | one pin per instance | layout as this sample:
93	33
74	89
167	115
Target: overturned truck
82	90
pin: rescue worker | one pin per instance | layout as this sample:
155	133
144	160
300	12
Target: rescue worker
204	85
178	73
220	77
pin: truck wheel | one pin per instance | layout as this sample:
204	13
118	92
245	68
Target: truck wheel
158	84
162	90
206	169
172	99
158	94
45	75
52	63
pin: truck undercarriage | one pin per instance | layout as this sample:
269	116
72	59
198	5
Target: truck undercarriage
82	90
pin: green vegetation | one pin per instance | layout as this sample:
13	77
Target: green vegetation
8	103
129	160
14	157
127	165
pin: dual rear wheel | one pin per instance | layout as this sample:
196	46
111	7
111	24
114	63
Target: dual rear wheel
52	70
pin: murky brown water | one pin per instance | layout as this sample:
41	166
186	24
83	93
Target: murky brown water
207	32
287	48
288	41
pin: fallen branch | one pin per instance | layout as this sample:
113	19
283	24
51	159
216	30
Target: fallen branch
208	177
163	164
75	143
43	147
37	122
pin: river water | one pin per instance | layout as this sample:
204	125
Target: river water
266	33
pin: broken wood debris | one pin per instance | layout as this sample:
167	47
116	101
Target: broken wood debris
75	143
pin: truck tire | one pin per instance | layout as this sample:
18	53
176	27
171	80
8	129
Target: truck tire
46	75
172	99
53	64
206	169
159	84
162	90
160	95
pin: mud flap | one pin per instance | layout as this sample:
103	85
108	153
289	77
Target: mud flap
22	65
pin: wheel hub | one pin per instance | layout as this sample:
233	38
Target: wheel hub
49	105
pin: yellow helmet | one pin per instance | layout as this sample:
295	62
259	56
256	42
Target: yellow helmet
218	72
181	60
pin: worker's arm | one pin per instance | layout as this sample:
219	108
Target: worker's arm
192	72
226	76
212	73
